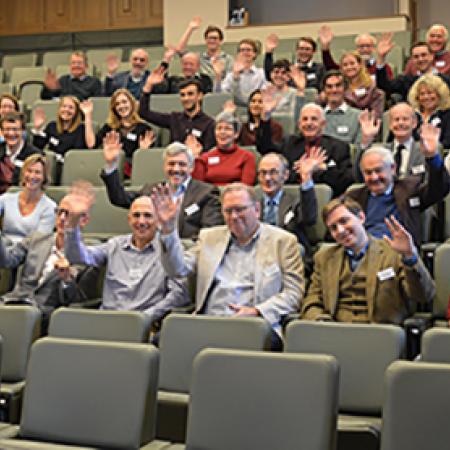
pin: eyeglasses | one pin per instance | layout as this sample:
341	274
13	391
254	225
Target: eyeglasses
271	172
236	209
61	211
246	49
11	130
136	58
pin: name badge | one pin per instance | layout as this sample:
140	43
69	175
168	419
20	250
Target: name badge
342	129
131	136
213	160
18	163
310	76
196	133
417	170
414	202
436	121
191	209
439	63
288	216
271	270
136	274
53	140
374	78
331	163
386	274
361	92
251	126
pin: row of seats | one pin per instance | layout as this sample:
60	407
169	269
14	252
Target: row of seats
364	355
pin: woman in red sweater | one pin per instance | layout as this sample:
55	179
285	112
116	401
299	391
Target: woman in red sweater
226	163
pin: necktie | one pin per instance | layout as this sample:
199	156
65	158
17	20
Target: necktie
271	214
398	158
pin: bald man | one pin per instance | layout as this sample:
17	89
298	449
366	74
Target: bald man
135	279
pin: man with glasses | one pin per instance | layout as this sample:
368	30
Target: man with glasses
133	79
199	205
78	83
134	279
14	150
245	268
245	76
47	280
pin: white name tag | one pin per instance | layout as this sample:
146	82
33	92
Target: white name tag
414	202
53	140
131	136
136	274
342	129
310	76
386	274
213	160
196	133
374	78
439	63
272	269
18	163
251	126
361	92
417	170
436	121
331	163
191	209
288	216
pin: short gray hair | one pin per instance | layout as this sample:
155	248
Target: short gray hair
235	187
175	148
312	105
230	118
385	154
283	160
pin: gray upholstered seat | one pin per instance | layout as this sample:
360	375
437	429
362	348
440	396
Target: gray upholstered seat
417	406
182	337
363	352
436	345
19	327
245	400
88	394
125	326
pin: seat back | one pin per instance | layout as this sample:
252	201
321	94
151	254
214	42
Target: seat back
101	109
30	93
288	401
19	327
108	387
183	336
416	406
166	103
442	279
213	103
363	352
286	121
19	60
50	108
6	88
20	75
54	59
436	345
96	57
316	232
147	166
125	326
86	164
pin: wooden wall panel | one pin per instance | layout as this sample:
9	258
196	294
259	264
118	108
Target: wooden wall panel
47	16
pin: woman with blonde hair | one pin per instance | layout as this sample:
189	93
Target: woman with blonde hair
28	209
361	91
124	118
430	97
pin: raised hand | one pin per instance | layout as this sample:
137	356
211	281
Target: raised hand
195	23
169	53
155	77
62	267
229	106
270	101
51	80
271	42
401	240
111	147
146	140
325	37
238	66
218	66
194	144
298	77
241	310
166	208
429	139
112	64
38	118
370	126
79	201
87	108
306	165
385	45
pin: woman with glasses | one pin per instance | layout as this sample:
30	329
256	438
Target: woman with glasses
28	209
227	163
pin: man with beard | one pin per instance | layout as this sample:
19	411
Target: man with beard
191	122
199	202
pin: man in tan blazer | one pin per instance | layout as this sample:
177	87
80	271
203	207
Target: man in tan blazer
245	268
362	279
